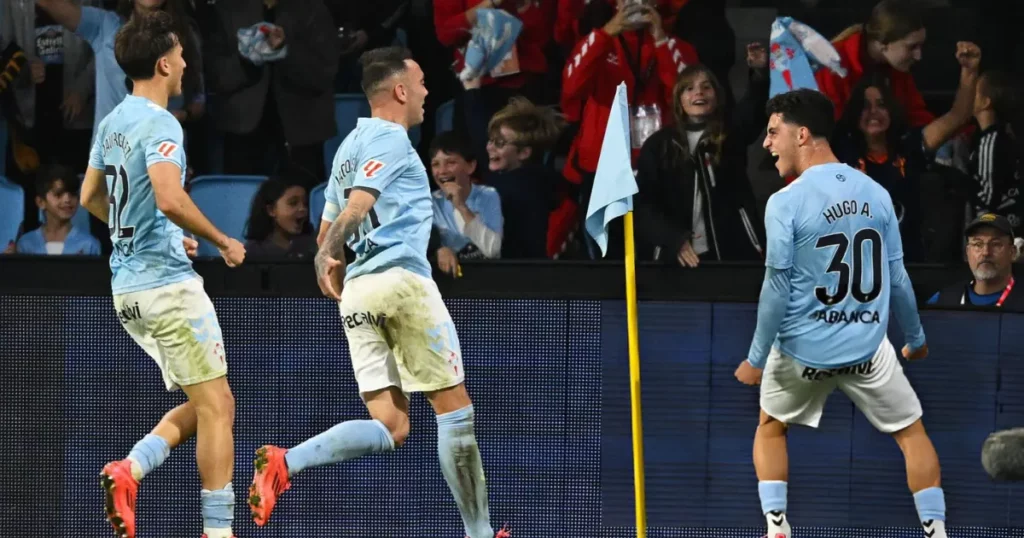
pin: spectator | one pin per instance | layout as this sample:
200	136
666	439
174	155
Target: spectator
891	42
276	115
695	200
996	159
98	27
875	137
57	196
55	96
522	72
633	48
513	144
467	216
990	255
278	224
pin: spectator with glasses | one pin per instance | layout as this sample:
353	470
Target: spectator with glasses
511	145
990	254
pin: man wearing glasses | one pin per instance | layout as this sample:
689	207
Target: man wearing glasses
990	254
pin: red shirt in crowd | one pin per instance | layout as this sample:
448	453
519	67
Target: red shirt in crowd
852	52
596	67
567	31
454	30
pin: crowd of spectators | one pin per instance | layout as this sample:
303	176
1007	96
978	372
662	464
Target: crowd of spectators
514	174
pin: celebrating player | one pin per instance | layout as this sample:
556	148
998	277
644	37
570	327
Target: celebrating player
834	260
400	336
134	183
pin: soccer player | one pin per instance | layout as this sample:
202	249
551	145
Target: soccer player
400	336
835	259
134	184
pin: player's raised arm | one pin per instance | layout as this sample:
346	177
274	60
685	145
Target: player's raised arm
93	194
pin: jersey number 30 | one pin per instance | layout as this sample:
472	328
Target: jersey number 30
118	199
839	265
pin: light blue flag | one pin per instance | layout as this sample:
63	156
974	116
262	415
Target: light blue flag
614	184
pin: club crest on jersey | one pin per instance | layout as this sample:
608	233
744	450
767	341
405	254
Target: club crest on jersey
371	167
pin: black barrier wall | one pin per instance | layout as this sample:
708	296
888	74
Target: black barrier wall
549	380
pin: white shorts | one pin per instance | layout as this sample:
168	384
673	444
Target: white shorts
400	333
177	326
796	394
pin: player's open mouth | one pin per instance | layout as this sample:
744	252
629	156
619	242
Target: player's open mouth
445	179
699	102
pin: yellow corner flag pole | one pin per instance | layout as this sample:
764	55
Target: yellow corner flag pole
634	380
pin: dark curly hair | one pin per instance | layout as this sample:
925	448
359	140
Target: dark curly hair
261	224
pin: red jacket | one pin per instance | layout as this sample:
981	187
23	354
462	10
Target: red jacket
453	31
851	50
596	67
567	22
570	12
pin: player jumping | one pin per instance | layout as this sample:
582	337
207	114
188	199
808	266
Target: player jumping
400	336
834	259
134	184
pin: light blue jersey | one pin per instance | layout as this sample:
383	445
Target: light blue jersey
835	231
378	157
99	27
148	251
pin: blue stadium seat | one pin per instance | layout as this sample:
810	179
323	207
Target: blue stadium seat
12	211
80	220
225	200
445	116
317	201
348	108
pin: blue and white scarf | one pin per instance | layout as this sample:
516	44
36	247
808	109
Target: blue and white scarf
494	35
796	52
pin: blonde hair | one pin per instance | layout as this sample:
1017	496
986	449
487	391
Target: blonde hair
536	127
891	20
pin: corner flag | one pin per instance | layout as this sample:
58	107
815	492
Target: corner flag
611	198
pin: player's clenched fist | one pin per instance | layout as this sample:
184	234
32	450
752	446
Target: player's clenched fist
915	354
748	374
191	246
329	275
233	253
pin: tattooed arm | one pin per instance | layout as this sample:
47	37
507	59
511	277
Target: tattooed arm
330	259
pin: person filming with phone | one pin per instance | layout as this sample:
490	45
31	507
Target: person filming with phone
630	47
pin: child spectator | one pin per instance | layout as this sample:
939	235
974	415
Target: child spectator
695	200
996	156
278	224
513	144
467	216
57	196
